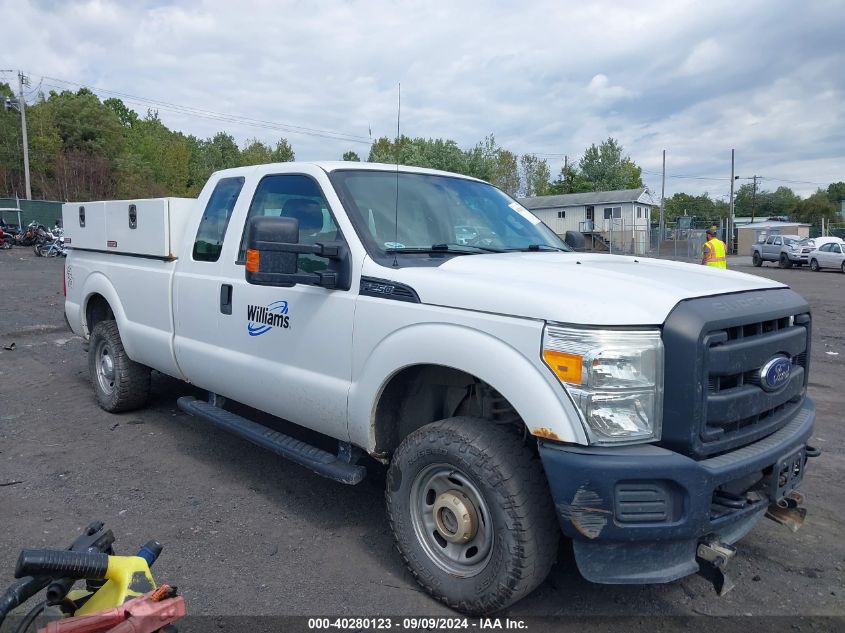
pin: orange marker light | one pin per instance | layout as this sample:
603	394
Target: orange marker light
567	367
252	260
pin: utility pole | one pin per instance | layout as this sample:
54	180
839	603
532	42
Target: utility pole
22	81
661	237
753	196
730	234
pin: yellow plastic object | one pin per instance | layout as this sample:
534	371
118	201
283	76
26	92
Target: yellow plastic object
126	577
567	367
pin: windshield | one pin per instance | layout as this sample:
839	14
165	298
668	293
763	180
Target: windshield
455	215
789	240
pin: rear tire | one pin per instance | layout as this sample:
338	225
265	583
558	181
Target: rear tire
814	266
505	520
756	259
120	384
843	267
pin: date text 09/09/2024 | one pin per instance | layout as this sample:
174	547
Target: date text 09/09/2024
415	624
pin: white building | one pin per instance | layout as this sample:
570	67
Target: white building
621	218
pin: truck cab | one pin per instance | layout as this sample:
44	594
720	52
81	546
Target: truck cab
650	411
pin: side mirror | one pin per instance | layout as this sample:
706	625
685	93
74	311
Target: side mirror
272	255
575	240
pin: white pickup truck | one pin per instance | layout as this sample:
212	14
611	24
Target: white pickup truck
650	411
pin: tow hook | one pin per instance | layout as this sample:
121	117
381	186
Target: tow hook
713	557
786	511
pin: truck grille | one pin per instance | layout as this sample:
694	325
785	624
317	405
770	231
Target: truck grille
715	348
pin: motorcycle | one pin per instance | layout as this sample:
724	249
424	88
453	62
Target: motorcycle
6	239
52	248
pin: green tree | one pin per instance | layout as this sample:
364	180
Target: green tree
836	192
570	180
815	208
700	207
351	156
506	172
783	202
125	115
607	168
535	175
283	152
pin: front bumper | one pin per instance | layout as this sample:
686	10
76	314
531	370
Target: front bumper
636	514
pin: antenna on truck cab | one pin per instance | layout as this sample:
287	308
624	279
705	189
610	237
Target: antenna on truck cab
396	210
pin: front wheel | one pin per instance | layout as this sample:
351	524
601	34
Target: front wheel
784	261
814	266
843	267
756	259
120	384
471	513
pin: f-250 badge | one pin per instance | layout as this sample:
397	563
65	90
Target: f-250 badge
264	318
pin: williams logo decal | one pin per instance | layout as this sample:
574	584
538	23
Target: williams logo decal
264	318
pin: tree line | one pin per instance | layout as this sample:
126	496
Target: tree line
83	148
760	204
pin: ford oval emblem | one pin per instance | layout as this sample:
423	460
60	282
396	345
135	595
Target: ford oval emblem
775	373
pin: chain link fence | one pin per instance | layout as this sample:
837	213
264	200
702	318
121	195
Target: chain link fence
679	240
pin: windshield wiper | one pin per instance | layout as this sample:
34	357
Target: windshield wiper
538	247
457	249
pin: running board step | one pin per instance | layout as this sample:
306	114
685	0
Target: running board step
315	459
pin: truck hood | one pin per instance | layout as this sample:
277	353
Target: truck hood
581	288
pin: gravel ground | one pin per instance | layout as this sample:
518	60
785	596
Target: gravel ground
248	533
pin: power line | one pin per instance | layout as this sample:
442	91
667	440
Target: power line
213	115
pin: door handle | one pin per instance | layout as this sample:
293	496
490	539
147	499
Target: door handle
226	299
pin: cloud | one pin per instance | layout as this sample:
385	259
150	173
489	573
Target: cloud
545	77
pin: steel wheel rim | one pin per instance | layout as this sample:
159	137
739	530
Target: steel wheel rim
442	483
104	367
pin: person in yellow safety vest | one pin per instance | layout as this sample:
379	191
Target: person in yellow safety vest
713	251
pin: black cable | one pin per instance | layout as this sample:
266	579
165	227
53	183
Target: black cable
29	618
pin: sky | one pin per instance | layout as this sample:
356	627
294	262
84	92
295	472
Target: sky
545	77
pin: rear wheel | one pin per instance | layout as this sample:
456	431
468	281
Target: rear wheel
843	267
756	259
784	261
120	384
471	513
814	265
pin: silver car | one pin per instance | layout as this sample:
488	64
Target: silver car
830	255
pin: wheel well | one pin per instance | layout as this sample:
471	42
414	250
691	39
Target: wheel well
421	394
97	309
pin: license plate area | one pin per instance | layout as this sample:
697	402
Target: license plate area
787	474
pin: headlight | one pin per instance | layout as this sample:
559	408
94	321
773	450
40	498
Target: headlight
615	378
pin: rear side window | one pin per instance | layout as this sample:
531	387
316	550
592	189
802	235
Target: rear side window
215	219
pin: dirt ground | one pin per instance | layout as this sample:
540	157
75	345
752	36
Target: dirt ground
246	532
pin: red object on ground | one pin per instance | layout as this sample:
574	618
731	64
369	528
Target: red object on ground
139	615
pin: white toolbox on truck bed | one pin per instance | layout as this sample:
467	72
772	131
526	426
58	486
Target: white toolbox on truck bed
152	227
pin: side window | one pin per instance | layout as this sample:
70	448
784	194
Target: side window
770	239
608	213
215	219
294	196
778	241
825	247
617	212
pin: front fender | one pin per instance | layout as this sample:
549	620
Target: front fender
528	386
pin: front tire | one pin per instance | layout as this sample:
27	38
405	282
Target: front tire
757	260
814	266
784	261
471	513
120	384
